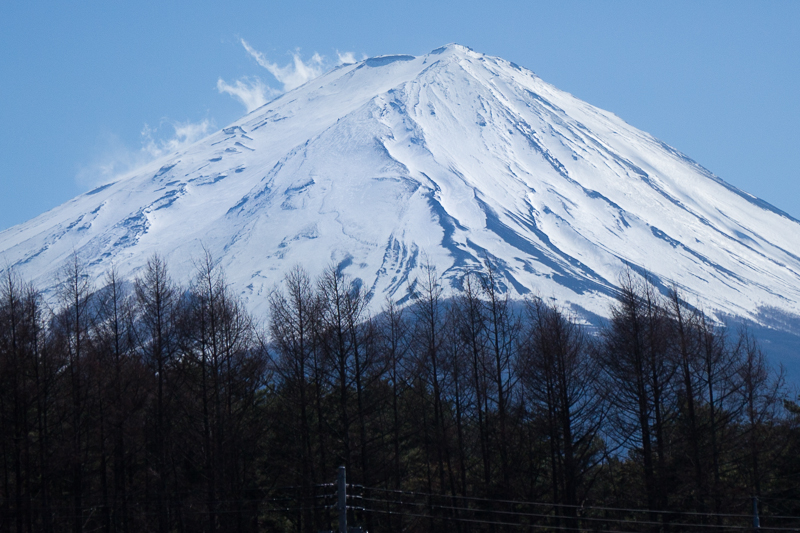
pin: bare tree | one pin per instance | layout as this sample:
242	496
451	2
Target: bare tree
394	339
428	337
123	392
760	395
502	330
334	291
634	359
157	300
74	321
470	317
24	404
560	375
293	316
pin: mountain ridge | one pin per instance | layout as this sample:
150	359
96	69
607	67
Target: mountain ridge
454	156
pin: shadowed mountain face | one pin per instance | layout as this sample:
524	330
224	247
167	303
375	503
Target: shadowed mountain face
447	158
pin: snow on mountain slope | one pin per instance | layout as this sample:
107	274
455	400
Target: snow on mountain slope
384	164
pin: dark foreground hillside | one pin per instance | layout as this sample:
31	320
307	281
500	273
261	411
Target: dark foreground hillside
144	405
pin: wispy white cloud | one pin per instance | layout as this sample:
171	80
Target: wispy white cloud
115	159
112	159
293	74
345	58
251	92
184	134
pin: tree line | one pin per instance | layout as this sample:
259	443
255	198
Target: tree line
146	405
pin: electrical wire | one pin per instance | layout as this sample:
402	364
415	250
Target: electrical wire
491	522
539	515
545	504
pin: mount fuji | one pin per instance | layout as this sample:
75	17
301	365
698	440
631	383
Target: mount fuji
396	161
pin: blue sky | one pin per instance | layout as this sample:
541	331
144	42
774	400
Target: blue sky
90	89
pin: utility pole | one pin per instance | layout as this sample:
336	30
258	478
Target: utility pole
756	521
341	491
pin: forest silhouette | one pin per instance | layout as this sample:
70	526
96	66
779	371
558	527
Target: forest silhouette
146	405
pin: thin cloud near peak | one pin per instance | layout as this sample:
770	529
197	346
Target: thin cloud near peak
346	58
114	158
295	73
252	92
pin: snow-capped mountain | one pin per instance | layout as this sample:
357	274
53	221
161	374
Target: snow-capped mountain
382	165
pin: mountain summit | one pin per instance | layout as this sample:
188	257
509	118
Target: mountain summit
447	158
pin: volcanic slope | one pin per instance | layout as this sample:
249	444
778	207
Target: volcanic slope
386	164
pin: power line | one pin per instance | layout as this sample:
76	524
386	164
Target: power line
539	515
477	521
545	504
